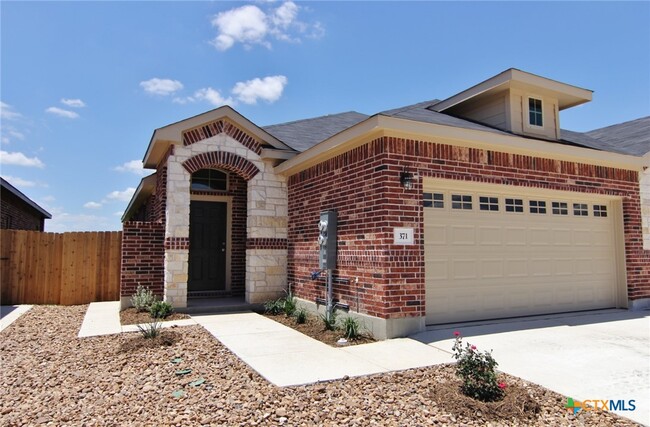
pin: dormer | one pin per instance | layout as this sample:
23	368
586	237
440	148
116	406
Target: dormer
517	102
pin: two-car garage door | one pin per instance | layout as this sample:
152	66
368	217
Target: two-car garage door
498	251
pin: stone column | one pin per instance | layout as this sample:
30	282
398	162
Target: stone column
177	234
266	252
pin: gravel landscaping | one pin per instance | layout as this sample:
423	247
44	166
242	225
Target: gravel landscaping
131	316
315	328
51	377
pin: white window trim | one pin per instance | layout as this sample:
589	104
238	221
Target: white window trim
540	99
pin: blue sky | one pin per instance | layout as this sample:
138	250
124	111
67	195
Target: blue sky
84	84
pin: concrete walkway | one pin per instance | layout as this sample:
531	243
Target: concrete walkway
282	355
10	313
602	354
286	357
103	318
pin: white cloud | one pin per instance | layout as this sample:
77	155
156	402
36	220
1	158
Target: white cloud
251	25
19	182
49	198
133	166
62	113
19	159
74	103
10	133
63	221
92	205
212	96
162	87
246	24
123	196
7	112
207	94
268	89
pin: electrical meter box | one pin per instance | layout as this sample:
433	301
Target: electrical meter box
327	240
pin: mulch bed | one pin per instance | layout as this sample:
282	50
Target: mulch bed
315	328
131	316
51	377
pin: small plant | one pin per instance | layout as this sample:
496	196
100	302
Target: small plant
350	326
477	371
150	330
274	307
160	309
143	298
329	323
290	304
301	315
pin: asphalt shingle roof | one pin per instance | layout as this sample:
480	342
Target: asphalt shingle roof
631	137
304	134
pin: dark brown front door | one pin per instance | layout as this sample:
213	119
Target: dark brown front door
208	232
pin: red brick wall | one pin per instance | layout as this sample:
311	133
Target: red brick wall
17	215
143	257
363	185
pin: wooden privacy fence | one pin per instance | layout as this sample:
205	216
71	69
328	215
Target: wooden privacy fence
59	268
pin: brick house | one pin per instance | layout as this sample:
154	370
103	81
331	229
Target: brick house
19	212
474	207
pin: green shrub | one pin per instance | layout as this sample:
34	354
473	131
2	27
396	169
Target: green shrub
150	330
160	309
290	304
329	324
351	327
274	307
301	315
143	298
477	372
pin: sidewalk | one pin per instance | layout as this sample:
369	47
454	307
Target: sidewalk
286	357
103	318
282	355
10	313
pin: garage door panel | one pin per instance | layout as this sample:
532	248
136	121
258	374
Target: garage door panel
540	237
582	237
489	236
516	267
463	235
562	236
491	268
515	236
541	267
498	263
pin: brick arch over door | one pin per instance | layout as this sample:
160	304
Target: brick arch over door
223	160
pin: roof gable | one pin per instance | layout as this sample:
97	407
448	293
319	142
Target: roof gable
175	133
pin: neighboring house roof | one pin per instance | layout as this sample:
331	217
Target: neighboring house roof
632	137
13	190
304	134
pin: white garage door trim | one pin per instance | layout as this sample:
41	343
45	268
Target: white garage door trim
494	254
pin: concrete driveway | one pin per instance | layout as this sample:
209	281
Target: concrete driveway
596	355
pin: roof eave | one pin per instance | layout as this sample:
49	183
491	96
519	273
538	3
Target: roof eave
379	125
144	190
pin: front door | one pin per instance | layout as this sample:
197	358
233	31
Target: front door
208	232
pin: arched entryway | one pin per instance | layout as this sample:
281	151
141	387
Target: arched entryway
217	225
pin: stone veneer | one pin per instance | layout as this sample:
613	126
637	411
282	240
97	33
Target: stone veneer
266	214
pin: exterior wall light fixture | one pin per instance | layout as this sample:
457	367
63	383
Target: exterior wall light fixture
406	179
